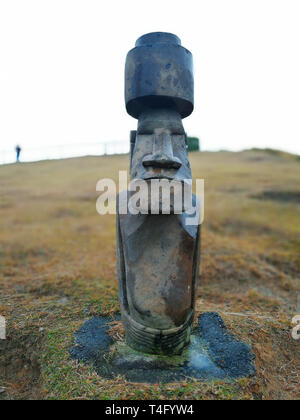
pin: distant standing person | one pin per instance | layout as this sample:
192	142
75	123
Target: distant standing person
18	152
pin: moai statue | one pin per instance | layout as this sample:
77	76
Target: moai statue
158	254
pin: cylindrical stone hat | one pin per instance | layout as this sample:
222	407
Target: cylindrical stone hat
159	74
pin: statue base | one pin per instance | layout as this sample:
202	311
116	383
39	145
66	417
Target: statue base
153	341
212	354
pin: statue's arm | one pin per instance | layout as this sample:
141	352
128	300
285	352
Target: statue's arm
121	269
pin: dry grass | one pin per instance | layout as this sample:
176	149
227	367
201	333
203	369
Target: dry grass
57	268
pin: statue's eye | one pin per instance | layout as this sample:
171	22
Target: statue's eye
146	133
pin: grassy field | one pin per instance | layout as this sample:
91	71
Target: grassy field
58	269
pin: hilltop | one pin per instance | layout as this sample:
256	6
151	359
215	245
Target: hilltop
58	268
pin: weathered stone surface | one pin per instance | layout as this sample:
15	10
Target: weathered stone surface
158	254
159	73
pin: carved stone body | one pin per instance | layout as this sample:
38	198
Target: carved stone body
158	254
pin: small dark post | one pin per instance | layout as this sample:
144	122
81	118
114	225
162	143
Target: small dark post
158	254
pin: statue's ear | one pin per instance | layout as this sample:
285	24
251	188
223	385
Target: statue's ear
132	144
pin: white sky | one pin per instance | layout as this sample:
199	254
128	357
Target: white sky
62	67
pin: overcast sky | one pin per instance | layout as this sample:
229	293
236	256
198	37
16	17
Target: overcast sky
62	69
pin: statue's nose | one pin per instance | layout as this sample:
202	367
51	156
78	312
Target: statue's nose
162	156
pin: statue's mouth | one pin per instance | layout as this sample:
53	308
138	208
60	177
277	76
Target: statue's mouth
160	173
162	176
160	195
